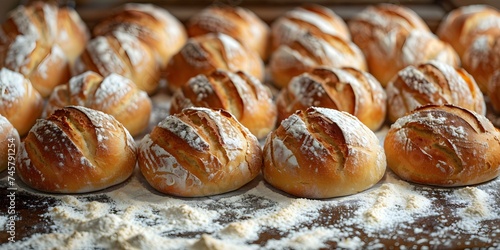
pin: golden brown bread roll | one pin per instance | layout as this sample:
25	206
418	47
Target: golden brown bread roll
310	51
346	89
45	66
461	26
310	18
237	22
322	153
114	95
9	144
20	103
123	54
153	25
76	150
432	83
199	152
482	58
206	53
443	146
241	94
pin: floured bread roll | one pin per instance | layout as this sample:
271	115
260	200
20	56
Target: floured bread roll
241	94
346	89
123	54
237	22
443	146
310	18
432	83
199	152
20	103
76	150
153	25
482	58
322	153
114	95
310	51
9	143
206	53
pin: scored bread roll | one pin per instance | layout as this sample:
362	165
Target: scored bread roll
482	58
322	153
20	103
123	54
114	95
310	18
153	25
206	53
432	83
443	145
76	150
9	144
241	94
310	51
237	22
199	152
345	89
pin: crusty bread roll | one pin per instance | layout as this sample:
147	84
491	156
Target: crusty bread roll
114	95
9	144
443	146
45	66
461	26
20	103
153	25
241	94
310	51
433	82
76	150
237	22
199	152
322	153
123	54
494	91
206	53
482	58
311	18
346	89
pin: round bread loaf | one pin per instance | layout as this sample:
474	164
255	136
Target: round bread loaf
199	152
432	83
322	153
237	22
9	144
206	53
444	146
20	103
241	94
76	150
114	95
346	89
482	58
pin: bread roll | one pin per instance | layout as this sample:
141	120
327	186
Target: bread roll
311	18
494	91
9	144
432	83
322	153
310	51
20	103
482	58
76	150
206	53
443	146
153	25
237	22
199	152
114	95
241	94
461	26
45	66
351	90
124	55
